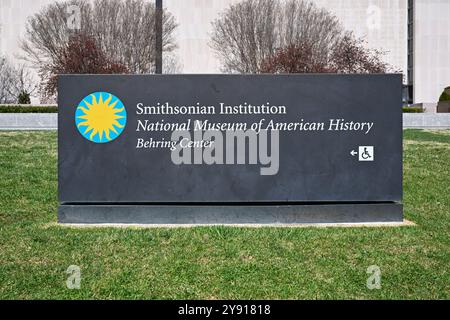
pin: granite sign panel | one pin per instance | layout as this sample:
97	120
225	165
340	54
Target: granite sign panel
224	140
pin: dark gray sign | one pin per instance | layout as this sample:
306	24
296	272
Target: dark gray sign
229	139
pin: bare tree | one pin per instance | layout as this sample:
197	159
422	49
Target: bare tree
81	56
123	29
245	34
14	80
24	83
249	32
7	79
171	63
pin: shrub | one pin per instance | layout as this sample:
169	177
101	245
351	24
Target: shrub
407	109
24	98
445	96
27	109
349	56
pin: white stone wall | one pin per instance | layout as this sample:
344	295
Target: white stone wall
431	49
13	15
382	23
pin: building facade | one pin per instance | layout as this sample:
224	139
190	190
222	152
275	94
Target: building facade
414	34
428	49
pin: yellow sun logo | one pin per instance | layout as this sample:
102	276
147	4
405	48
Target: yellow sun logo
100	117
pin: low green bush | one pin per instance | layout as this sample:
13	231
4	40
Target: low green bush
24	98
412	110
28	109
445	96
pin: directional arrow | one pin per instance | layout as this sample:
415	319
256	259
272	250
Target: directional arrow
353	153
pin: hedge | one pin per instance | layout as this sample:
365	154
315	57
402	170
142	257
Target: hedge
28	109
412	110
54	109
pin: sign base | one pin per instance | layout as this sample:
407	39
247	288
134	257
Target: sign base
231	213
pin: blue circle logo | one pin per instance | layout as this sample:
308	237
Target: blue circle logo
100	117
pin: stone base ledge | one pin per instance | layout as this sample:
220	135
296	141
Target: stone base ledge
230	214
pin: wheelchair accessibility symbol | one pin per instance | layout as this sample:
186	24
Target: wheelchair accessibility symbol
365	153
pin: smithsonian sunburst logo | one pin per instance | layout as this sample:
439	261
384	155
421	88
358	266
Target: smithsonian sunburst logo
100	117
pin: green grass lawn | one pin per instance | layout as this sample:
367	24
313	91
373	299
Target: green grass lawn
220	262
